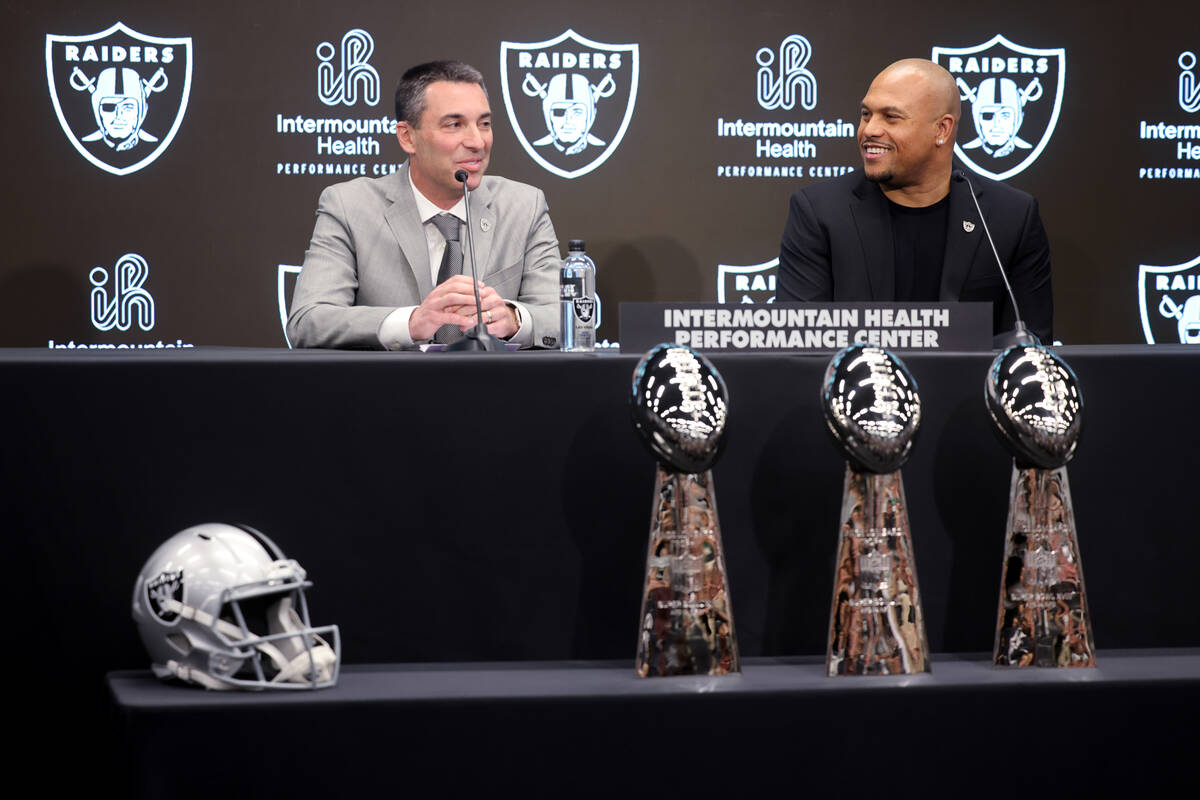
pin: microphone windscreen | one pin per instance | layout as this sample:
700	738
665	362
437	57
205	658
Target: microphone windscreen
461	176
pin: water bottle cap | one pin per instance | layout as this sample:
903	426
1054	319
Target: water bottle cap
576	244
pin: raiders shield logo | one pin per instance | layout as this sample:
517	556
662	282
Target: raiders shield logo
120	95
752	284
286	281
1170	302
569	99
584	306
164	587
1015	95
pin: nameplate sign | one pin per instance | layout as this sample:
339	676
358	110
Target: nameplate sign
807	327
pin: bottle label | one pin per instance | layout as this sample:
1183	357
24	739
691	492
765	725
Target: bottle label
571	288
584	306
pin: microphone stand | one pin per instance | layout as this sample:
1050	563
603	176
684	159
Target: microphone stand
477	339
1019	334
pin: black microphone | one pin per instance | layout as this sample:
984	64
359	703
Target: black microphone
477	339
1019	334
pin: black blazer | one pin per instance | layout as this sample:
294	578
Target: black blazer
837	246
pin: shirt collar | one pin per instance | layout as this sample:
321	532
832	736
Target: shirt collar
427	210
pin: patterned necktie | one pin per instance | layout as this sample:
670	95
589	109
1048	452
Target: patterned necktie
452	264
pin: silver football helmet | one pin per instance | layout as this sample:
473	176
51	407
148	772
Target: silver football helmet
204	600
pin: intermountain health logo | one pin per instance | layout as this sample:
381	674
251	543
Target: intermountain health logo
342	136
1178	157
126	301
787	141
784	82
1015	94
119	302
1189	87
569	99
342	83
120	95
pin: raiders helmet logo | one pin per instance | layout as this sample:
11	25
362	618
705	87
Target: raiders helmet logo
166	586
1015	94
569	99
120	95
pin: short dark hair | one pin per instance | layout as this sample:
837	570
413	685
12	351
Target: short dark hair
410	92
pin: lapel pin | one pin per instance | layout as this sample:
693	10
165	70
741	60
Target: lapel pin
485	224
968	226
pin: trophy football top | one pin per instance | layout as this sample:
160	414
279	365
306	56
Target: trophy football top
871	407
1035	400
680	407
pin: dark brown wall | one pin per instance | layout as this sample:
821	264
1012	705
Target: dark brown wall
213	220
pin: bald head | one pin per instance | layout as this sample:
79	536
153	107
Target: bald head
907	130
929	79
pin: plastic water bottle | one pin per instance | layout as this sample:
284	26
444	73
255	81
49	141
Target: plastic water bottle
577	295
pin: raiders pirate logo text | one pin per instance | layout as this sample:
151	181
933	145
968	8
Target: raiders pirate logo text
569	99
164	587
584	307
1015	95
120	95
1170	302
750	284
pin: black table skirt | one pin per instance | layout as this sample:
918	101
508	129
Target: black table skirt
536	551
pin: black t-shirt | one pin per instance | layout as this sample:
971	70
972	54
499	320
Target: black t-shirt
919	239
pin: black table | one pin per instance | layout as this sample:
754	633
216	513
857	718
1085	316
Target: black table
567	729
340	457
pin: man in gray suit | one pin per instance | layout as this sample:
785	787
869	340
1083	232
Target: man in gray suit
385	265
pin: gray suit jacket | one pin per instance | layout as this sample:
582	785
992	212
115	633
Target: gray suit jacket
369	256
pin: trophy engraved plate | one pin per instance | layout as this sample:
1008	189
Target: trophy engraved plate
1034	398
680	407
876	622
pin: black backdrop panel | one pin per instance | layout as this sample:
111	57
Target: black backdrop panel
215	215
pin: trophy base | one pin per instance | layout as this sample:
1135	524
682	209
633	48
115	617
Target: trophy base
686	625
876	624
1043	619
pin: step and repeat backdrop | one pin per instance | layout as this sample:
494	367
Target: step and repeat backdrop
164	159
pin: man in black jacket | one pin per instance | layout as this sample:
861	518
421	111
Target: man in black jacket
905	229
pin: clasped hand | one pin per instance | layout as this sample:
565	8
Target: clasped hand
453	303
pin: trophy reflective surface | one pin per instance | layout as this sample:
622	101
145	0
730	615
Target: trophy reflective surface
680	408
1043	619
876	623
